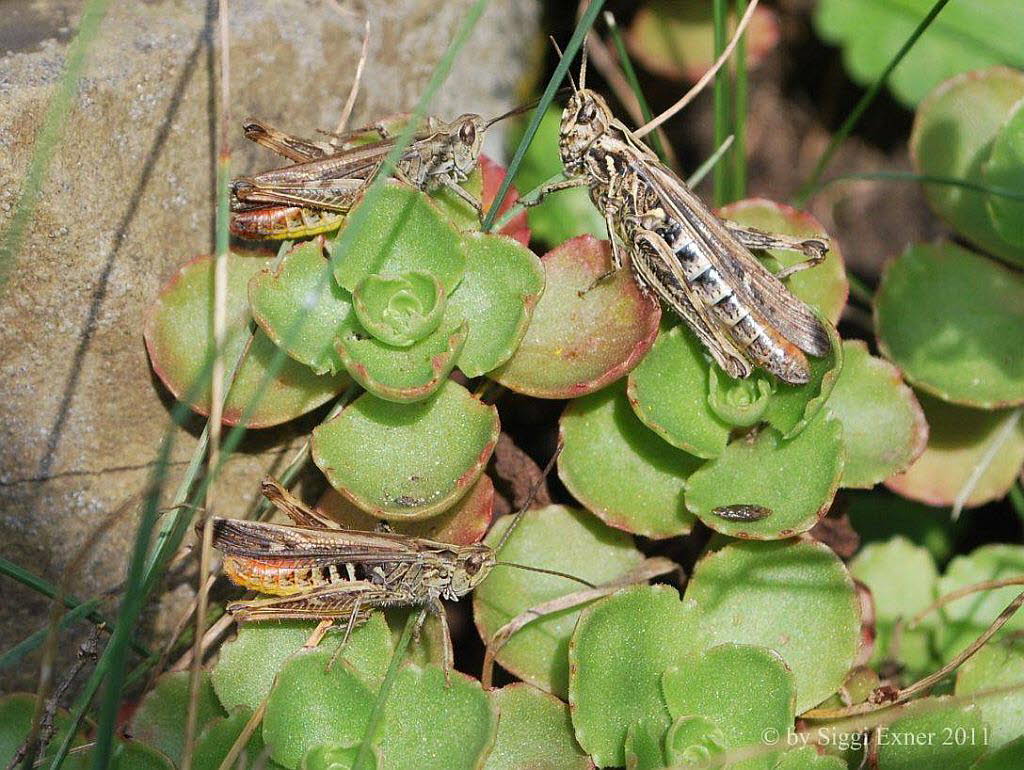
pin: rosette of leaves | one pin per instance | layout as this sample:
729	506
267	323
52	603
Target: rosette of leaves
753	458
411	297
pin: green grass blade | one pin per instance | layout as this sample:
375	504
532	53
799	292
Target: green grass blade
578	35
739	111
50	134
910	176
722	171
865	101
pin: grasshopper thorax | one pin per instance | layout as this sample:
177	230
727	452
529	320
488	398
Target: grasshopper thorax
585	119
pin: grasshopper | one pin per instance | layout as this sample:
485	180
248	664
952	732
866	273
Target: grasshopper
314	570
697	264
326	179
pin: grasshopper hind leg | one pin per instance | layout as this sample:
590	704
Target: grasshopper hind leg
815	249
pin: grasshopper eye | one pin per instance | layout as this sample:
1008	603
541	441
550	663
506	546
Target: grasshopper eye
587	113
467	133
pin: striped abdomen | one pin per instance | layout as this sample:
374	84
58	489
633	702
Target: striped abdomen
278	223
279	579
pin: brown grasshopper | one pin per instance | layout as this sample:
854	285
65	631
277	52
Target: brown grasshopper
697	264
326	179
314	570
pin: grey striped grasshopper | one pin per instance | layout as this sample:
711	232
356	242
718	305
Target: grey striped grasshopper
326	179
697	264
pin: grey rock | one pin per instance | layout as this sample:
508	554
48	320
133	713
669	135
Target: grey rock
128	199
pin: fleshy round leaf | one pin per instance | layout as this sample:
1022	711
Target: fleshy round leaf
940	719
215	741
953	321
692	739
429	648
620	470
795	480
808	758
794	597
965	619
247	665
965	447
558	538
407	461
502	284
669	393
16	713
427	721
824	286
1005	168
132	755
578	344
483	184
1009	757
404	232
881	515
953	134
792	407
464	523
404	375
179	338
996	665
965	36
675	39
330	756
302	283
159	720
534	731
621	648
903	579
399	309
884	429
747	691
644	747
567	213
313	704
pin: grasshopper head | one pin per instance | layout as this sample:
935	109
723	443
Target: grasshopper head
467	139
585	118
475	563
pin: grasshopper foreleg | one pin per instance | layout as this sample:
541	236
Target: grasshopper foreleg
814	249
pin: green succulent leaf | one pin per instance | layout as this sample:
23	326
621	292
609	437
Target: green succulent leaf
795	597
399	309
738	402
884	429
692	739
808	758
405	232
645	745
795	480
963	620
972	455
534	731
674	38
792	407
159	720
427	719
942	720
329	756
407	461
965	36
824	287
669	390
302	283
1009	757
567	213
620	649
483	184
464	523
313	704
953	321
503	282
179	338
953	135
219	735
404	375
999	664
902	578
747	691
579	340
621	471
558	538
132	755
247	665
1005	168
17	711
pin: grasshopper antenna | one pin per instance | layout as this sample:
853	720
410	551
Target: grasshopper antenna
562	56
522	108
699	85
528	568
583	66
533	494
